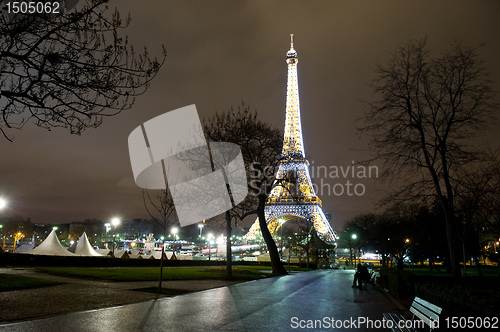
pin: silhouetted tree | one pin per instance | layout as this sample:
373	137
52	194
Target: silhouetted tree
69	69
428	108
161	210
478	207
261	146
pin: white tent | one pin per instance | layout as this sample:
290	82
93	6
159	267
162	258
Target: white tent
157	254
83	247
51	246
25	248
103	252
72	248
119	252
134	254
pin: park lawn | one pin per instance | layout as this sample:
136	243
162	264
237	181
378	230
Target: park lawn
483	291
488	271
10	282
242	273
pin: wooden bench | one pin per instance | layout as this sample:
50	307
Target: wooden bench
427	312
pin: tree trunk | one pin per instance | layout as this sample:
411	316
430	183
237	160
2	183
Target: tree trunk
307	254
400	265
479	271
464	272
161	266
271	245
229	269
453	262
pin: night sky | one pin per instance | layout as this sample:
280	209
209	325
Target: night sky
221	53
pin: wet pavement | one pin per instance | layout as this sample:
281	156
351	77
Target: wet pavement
318	300
75	294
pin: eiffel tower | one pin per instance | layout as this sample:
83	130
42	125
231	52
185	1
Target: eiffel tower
296	197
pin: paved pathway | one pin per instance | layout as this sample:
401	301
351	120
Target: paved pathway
275	304
77	294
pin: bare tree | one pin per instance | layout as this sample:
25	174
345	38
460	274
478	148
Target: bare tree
69	69
428	109
161	210
484	190
261	148
478	206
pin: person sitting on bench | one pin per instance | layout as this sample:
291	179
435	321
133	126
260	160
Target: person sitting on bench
361	275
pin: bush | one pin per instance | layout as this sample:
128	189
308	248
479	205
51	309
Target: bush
399	283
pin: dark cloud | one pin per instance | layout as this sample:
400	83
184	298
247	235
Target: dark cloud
223	52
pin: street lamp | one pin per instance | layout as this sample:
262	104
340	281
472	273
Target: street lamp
18	236
200	226
209	236
3	204
115	222
281	222
108	227
354	236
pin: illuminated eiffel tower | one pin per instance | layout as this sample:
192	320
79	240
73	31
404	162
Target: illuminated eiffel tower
296	197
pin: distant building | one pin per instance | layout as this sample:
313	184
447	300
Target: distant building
135	229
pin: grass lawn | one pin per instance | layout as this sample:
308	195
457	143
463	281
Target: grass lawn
10	282
242	273
484	291
488	271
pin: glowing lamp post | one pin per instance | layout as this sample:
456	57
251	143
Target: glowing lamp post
354	236
174	232
209	237
108	227
281	222
200	226
3	204
115	222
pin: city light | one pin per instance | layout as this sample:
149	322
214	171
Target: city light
115	221
174	232
3	203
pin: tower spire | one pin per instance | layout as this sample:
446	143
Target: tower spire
292	142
